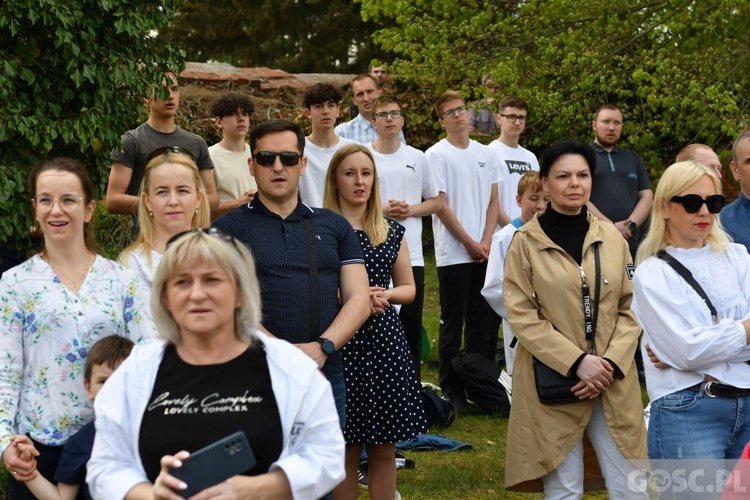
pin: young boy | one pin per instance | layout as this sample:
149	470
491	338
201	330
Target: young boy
103	359
531	200
321	107
234	182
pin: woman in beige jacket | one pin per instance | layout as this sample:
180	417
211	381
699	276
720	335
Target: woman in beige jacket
547	263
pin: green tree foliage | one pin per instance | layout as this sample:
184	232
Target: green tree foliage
677	68
71	76
300	36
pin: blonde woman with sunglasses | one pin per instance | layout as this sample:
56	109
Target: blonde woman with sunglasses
698	379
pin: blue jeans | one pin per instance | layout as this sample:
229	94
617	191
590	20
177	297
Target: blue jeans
688	424
334	372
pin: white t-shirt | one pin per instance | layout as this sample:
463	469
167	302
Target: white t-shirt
404	176
313	180
232	172
466	176
138	261
513	163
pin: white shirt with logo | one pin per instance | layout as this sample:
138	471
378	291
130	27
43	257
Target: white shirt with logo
404	176
513	163
466	176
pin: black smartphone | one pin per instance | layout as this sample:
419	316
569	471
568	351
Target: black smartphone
215	463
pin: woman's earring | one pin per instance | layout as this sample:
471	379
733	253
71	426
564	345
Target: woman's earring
151	214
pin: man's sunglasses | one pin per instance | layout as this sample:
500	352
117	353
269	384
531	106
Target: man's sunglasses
267	158
692	202
170	149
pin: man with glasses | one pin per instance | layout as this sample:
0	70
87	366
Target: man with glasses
466	176
735	217
404	181
303	256
321	107
621	193
360	129
160	130
513	159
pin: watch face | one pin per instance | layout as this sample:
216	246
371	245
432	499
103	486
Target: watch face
632	226
327	346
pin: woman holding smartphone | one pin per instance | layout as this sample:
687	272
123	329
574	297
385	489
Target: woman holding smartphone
212	375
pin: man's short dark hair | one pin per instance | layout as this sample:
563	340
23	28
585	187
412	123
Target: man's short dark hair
513	101
228	104
274	126
109	351
321	93
568	146
609	106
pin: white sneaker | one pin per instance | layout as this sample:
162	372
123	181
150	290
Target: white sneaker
398	496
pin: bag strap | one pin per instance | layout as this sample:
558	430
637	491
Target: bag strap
312	261
597	293
688	276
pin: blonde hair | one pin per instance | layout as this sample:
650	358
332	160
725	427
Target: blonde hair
233	257
373	221
147	230
676	179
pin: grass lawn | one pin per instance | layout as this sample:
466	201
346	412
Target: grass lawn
475	475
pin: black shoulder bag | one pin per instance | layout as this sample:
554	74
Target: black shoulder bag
553	387
688	276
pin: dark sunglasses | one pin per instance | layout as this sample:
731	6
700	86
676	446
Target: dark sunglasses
692	202
210	231
170	149
267	158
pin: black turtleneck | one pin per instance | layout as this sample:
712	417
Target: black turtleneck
567	231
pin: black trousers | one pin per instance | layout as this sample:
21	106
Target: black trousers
411	318
464	315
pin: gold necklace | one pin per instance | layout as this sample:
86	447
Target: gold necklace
76	283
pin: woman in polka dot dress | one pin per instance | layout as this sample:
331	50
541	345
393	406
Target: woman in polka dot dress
383	405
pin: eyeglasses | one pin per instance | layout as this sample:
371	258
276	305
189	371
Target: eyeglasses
68	202
383	115
515	118
267	158
170	149
454	112
692	202
210	231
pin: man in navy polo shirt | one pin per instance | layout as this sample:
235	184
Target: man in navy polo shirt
275	228
621	193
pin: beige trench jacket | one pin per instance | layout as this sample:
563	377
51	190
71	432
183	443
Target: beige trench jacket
541	436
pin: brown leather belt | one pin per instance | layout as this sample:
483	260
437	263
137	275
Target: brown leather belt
714	389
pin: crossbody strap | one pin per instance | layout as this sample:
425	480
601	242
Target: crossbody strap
312	261
688	276
591	311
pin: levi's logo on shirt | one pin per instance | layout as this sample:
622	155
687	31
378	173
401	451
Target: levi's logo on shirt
518	167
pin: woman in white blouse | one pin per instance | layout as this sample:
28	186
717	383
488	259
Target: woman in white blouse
172	200
53	307
699	380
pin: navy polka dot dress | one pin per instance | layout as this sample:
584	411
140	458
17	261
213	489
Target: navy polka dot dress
383	404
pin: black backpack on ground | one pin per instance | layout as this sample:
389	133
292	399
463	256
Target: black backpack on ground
480	378
438	411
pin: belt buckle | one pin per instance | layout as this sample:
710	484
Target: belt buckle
707	389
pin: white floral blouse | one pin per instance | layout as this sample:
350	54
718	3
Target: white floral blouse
46	331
